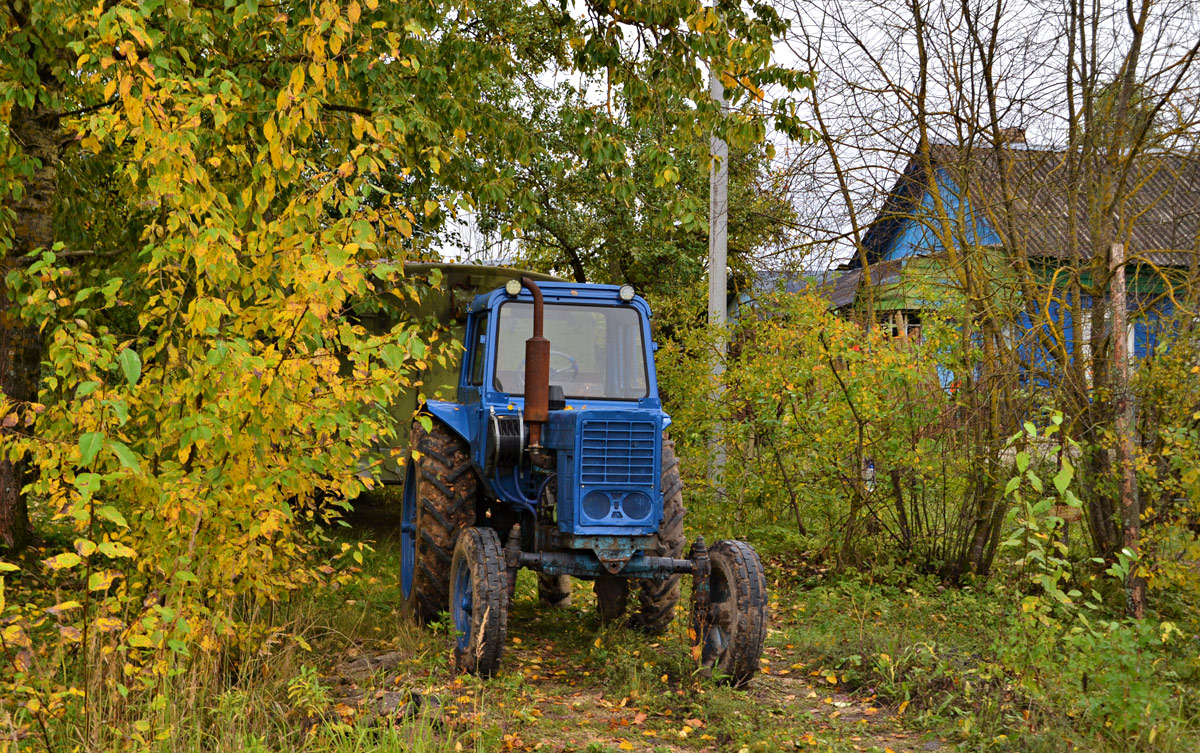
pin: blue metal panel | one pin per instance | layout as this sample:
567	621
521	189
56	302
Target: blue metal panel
619	451
558	292
608	461
453	415
623	452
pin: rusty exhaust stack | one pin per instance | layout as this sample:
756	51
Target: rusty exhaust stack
537	370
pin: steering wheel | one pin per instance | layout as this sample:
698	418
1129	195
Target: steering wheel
572	366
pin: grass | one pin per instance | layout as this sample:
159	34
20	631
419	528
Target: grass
851	664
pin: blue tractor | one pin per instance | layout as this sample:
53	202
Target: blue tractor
553	457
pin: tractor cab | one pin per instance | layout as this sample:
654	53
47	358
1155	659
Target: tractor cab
600	448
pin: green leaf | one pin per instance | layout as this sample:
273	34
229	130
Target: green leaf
101	580
1034	481
1022	461
116	549
1063	478
127	456
131	365
89	445
6	567
86	388
87	484
112	514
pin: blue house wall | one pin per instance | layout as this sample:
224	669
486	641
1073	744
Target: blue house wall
918	236
918	233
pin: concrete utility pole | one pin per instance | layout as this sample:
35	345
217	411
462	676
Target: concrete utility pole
718	213
718	236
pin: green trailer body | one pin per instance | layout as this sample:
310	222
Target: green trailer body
446	304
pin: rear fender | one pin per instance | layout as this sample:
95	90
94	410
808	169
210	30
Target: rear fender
452	415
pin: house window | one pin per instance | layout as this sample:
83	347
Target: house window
906	324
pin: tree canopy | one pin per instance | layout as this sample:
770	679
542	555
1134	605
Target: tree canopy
194	191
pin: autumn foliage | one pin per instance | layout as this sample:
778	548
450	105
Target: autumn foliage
228	183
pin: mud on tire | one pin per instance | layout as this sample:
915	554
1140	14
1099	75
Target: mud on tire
731	638
656	599
438	507
479	601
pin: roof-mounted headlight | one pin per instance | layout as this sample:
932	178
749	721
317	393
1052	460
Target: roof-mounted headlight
626	293
513	287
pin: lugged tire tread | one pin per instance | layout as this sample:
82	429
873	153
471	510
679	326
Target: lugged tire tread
446	484
481	547
749	585
554	590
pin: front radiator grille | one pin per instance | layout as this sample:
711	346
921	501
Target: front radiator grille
618	452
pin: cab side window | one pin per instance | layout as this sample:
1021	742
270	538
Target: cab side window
478	354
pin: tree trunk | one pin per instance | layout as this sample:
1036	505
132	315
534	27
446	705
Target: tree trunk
1131	512
36	131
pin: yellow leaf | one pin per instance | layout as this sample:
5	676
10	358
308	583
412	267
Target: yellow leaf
62	561
105	624
63	607
101	580
625	745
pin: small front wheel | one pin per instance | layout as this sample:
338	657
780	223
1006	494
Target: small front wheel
730	637
479	601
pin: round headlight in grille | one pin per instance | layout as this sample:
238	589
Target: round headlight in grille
596	505
636	506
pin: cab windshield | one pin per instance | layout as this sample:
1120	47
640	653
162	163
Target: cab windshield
596	352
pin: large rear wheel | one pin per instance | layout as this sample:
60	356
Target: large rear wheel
438	504
656	599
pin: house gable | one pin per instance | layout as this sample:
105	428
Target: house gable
919	235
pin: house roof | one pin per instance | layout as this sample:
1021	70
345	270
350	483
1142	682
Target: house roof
1162	213
843	289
